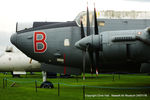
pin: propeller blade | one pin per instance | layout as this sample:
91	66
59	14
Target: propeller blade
97	60
96	33
84	52
95	22
82	31
84	62
88	22
90	53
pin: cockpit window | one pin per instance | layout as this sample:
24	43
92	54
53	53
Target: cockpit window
24	25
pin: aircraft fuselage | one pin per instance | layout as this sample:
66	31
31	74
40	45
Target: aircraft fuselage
118	47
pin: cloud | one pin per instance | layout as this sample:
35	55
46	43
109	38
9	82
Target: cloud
139	0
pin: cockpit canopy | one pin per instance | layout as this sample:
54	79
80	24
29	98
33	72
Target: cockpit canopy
81	16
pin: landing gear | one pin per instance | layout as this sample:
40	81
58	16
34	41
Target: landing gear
44	76
46	84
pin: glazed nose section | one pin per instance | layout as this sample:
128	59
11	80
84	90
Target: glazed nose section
13	39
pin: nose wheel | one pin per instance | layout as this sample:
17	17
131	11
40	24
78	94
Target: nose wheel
46	84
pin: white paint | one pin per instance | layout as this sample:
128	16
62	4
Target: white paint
11	61
66	43
19	72
60	60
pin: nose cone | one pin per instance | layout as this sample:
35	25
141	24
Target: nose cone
77	44
82	44
93	41
13	39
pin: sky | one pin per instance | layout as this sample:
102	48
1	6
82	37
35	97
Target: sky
12	11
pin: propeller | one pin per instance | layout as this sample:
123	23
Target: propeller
90	54
82	36
88	22
96	33
86	43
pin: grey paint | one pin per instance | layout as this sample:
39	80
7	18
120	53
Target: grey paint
113	57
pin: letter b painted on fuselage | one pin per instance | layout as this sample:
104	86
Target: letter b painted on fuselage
40	45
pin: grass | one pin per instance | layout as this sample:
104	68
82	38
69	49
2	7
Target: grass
72	89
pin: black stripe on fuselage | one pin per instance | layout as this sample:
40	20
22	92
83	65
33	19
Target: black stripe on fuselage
39	24
49	26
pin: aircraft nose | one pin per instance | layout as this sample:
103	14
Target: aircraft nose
13	39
